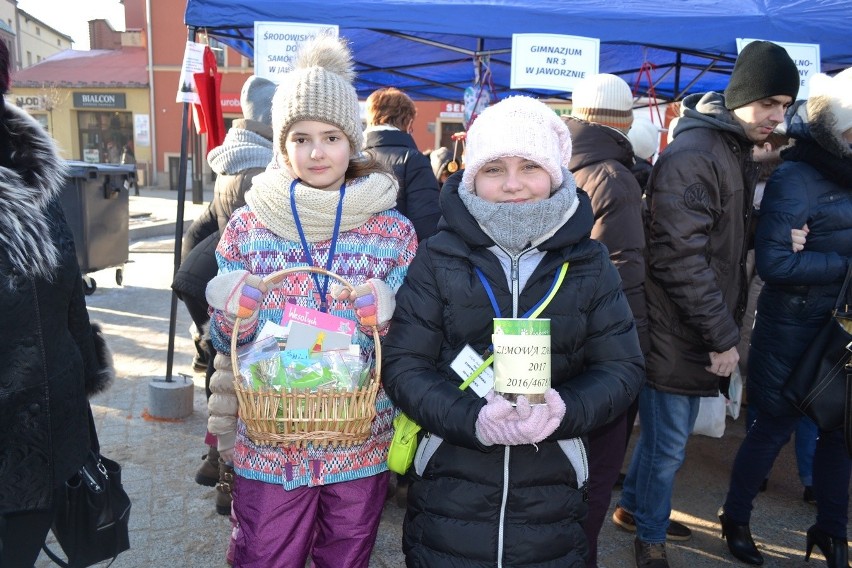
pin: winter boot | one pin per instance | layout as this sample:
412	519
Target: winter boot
202	356
208	471
224	487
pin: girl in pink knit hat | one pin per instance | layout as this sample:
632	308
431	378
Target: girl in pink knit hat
497	480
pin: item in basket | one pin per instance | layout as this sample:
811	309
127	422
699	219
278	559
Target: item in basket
304	336
327	370
316	318
259	363
271	329
521	358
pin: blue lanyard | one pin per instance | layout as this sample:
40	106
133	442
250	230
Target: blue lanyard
491	297
321	290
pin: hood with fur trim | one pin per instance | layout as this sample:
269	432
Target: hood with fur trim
32	177
813	121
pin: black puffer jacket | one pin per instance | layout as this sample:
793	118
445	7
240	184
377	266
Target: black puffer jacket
418	188
813	186
601	158
478	506
52	357
700	210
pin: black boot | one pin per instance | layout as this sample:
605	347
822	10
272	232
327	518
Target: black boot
740	542
224	488
835	550
208	472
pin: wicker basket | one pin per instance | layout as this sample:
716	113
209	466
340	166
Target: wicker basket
327	417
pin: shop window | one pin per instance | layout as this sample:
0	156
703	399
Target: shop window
218	50
444	130
104	135
42	119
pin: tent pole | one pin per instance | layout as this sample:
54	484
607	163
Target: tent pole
181	196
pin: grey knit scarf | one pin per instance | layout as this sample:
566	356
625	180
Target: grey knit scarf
516	226
241	150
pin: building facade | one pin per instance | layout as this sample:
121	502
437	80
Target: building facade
122	94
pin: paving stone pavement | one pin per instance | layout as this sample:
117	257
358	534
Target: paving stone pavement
173	521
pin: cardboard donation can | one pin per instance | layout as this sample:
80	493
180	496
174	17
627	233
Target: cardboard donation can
521	358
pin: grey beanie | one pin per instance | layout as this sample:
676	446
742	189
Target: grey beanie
256	99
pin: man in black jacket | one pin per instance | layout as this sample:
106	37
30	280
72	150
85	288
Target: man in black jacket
390	118
700	202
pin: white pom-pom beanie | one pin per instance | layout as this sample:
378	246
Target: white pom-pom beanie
835	95
518	126
644	136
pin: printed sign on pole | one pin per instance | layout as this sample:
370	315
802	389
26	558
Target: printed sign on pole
805	55
193	62
552	61
276	43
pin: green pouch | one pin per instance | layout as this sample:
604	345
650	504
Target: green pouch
403	445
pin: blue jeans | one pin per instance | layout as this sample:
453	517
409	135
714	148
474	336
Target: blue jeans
806	442
665	420
763	442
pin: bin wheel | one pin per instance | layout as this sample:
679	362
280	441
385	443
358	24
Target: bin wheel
119	276
89	285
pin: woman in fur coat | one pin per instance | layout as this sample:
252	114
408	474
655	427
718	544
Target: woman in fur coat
52	357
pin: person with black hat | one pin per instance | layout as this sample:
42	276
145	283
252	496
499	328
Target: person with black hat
700	211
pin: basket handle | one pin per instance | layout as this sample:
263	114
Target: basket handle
274	280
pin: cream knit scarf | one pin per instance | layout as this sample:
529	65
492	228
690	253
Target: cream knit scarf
269	198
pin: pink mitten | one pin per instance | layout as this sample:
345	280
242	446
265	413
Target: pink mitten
374	301
238	294
523	424
492	423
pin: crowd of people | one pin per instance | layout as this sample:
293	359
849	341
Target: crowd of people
647	262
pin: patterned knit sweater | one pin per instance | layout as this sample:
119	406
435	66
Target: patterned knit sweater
383	247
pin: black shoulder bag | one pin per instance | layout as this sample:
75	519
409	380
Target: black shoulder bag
91	523
820	385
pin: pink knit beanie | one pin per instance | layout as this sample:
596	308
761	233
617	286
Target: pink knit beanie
518	126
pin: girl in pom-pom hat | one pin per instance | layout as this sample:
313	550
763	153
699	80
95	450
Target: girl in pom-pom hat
319	204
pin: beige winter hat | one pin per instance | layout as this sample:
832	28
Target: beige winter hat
319	88
604	99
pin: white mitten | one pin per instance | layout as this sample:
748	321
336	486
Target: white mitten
237	294
374	301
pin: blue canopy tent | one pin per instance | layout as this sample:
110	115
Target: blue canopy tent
429	48
434	49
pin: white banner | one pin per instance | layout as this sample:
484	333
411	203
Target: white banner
276	43
805	55
552	61
193	62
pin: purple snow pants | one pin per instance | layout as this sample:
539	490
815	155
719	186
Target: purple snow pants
335	524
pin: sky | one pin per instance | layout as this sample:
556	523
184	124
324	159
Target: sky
71	17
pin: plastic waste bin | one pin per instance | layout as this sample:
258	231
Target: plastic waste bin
96	202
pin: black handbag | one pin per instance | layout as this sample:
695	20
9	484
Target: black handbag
820	385
91	522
